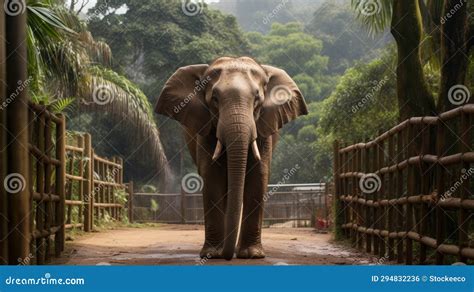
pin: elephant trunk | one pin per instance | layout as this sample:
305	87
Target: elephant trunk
237	140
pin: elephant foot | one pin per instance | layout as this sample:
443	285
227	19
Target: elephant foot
210	252
251	252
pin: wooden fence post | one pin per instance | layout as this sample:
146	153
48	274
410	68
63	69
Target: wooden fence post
400	216
338	218
376	213
380	197
93	211
80	143
88	184
410	192
60	184
390	197
40	211
18	152
440	176
463	222
425	188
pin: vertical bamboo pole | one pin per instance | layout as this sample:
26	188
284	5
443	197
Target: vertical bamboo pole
40	187
103	189
344	192
18	152
110	190
463	221
390	196
440	175
376	213
353	203
47	183
34	164
399	194
3	153
337	190
80	143
93	194
60	184
360	207
70	185
368	236
425	189
410	192
88	183
121	210
381	195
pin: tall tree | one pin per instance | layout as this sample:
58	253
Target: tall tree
454	51
406	19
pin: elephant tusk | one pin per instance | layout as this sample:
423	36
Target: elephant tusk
255	151
218	151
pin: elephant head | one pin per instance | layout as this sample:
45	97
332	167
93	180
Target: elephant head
238	101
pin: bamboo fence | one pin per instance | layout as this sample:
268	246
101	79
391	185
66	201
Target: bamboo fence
408	194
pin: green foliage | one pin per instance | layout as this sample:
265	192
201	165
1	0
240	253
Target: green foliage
375	15
121	196
60	105
154	207
288	46
344	40
150	51
363	103
148	189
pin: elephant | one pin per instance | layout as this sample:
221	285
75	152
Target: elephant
230	111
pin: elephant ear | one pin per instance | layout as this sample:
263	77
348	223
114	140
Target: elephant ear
283	102
182	99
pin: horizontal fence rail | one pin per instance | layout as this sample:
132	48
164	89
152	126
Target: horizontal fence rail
294	205
409	193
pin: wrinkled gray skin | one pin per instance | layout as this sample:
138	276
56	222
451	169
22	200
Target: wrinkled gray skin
234	102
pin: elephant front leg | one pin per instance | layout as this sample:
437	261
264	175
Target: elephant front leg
214	212
250	242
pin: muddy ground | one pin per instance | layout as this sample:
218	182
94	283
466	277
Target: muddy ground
180	245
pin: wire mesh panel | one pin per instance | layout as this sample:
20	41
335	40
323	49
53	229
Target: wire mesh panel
288	205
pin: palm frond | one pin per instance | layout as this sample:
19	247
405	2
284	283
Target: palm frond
126	103
60	105
375	15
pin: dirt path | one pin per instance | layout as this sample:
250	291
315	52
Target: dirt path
180	245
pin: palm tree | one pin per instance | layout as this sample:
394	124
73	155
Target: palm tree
77	69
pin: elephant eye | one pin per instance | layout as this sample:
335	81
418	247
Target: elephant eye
257	100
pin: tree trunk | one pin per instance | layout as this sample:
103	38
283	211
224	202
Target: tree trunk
454	55
414	98
18	152
3	153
